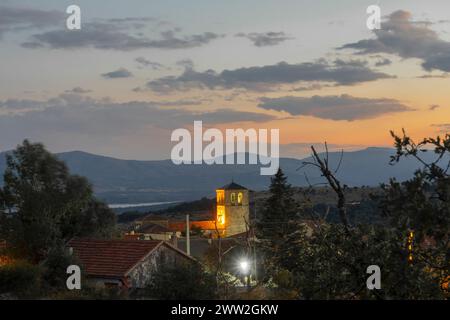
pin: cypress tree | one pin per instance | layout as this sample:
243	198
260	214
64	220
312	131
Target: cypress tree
278	222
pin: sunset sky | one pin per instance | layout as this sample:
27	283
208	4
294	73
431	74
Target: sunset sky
137	70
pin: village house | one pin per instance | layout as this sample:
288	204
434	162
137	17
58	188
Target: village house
124	263
153	231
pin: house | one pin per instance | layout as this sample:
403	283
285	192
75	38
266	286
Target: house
200	247
153	231
124	263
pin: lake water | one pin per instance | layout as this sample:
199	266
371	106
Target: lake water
135	205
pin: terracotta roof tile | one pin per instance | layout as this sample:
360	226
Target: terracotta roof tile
110	258
204	225
233	186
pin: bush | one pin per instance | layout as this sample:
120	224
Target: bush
54	268
182	282
20	278
90	293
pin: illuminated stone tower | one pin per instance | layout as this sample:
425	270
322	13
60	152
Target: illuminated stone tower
232	209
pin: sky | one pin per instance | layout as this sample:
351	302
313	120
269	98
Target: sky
137	70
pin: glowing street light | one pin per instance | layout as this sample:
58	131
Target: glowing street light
244	266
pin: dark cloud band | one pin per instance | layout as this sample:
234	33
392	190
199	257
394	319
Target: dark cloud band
343	107
265	39
119	73
267	77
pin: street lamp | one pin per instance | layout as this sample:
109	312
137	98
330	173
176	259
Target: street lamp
244	266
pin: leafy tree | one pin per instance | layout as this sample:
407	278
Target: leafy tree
43	205
333	263
55	267
421	205
333	258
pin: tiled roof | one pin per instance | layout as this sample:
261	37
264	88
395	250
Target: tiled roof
203	225
233	186
131	236
153	228
111	258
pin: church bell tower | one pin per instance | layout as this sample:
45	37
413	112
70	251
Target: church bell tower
232	209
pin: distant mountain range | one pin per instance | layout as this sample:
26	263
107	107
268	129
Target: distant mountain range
131	181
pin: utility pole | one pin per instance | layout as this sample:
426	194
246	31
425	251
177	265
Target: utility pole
255	272
188	236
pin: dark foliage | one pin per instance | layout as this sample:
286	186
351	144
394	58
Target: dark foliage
182	282
43	205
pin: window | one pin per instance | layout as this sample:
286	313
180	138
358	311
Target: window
221	215
240	198
220	196
233	198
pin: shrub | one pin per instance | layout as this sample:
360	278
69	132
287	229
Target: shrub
182	282
20	278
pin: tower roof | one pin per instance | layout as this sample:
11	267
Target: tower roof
233	186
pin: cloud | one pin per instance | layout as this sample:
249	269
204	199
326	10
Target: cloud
344	107
383	62
78	90
17	19
116	35
130	130
135	22
265	39
442	127
310	87
177	103
119	73
78	114
408	39
137	89
17	105
143	62
269	77
185	63
434	76
434	107
230	116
